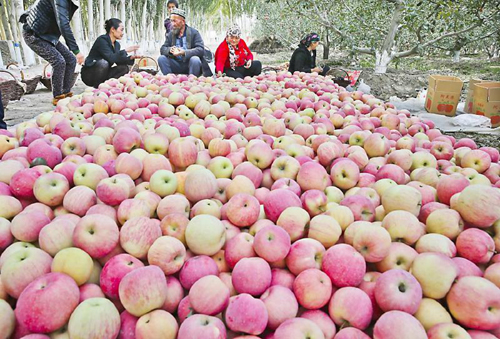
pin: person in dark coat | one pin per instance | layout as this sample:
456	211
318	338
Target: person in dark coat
304	57
105	53
234	58
3	125
183	50
171	4
43	24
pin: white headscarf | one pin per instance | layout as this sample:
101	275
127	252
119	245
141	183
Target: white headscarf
234	30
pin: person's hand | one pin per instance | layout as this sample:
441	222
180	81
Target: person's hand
80	58
178	52
220	74
317	70
248	64
132	48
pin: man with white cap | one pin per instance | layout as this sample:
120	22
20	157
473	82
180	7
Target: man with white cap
183	50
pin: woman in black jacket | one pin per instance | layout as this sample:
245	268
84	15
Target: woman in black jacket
105	53
44	23
304	57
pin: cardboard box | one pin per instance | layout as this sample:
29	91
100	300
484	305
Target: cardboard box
487	101
469	101
443	94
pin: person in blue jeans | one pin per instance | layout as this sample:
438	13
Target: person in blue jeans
183	50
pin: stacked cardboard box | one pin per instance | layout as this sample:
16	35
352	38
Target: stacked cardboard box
487	101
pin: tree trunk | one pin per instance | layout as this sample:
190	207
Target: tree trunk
100	30
386	54
122	12
77	25
382	60
90	19
107	9
5	21
326	46
459	44
230	11
13	21
221	18
144	31
29	55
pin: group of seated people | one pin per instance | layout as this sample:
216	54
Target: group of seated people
182	53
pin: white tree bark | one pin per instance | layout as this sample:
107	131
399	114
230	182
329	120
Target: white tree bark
456	56
13	22
90	19
77	29
100	30
77	23
382	60
107	9
29	55
385	56
5	22
122	11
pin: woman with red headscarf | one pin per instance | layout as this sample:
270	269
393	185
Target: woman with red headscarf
233	57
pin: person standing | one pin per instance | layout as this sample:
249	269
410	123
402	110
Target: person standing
105	53
183	50
43	24
171	4
304	57
234	58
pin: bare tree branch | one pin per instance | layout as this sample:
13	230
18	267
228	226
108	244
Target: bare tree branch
488	34
354	14
321	17
415	48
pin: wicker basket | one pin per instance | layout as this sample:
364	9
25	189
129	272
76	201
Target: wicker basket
339	76
31	84
47	81
11	89
141	66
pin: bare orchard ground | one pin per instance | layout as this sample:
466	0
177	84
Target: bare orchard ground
404	81
33	104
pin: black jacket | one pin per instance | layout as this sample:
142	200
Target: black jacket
104	49
49	19
195	46
302	60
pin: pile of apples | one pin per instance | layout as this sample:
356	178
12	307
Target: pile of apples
277	207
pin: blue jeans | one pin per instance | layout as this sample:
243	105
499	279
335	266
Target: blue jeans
169	65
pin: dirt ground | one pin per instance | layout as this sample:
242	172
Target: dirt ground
33	104
482	140
406	81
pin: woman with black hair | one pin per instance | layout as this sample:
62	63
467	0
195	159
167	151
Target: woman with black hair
304	57
105	53
43	24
